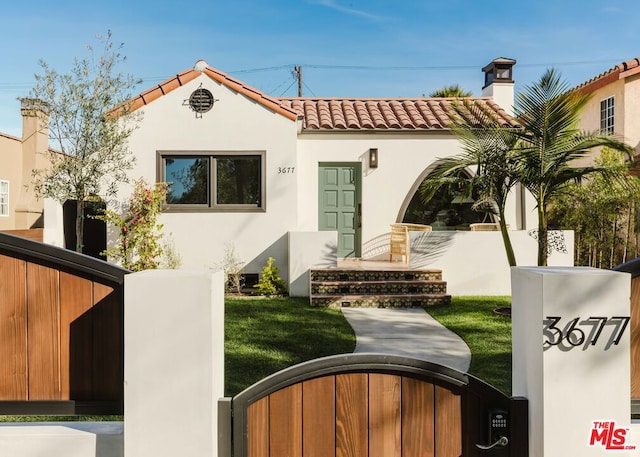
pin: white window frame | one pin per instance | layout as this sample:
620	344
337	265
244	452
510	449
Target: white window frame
607	115
4	198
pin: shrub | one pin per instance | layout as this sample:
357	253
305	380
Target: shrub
233	268
139	246
270	282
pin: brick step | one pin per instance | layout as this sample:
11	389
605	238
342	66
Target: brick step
338	274
380	301
378	287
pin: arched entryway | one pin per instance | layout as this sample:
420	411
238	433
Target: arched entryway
448	209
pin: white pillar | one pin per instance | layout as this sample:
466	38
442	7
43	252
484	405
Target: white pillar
174	362
578	389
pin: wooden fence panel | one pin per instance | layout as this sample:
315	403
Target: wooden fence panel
258	423
13	329
352	415
108	336
76	339
635	337
319	417
384	415
285	422
61	331
417	418
448	420
43	329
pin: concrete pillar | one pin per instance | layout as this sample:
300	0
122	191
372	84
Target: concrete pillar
571	359
174	362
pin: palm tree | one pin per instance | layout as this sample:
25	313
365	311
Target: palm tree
549	143
453	90
488	153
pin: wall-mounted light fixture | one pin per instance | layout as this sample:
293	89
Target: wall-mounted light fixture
373	158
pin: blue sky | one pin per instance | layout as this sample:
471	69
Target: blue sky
400	48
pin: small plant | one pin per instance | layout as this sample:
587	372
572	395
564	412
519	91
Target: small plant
233	268
171	259
270	282
138	247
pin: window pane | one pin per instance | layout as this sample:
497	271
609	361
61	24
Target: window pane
238	180
189	178
4	198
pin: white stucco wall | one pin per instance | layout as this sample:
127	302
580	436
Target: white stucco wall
235	123
403	160
475	263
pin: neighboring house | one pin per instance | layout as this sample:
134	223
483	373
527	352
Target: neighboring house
20	210
309	180
614	106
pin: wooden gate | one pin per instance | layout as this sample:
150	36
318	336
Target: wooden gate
368	405
61	331
633	267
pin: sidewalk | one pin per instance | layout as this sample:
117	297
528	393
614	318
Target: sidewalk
408	332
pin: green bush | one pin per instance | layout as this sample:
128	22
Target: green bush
270	282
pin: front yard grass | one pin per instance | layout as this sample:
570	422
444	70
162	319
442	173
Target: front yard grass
487	335
265	335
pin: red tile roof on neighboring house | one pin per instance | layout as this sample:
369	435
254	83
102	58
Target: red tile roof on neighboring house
324	114
425	114
620	71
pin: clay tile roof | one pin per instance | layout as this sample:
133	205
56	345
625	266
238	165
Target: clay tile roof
182	78
620	71
422	114
326	114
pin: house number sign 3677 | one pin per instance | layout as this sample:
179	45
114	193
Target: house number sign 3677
589	331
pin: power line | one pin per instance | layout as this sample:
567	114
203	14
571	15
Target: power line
8	86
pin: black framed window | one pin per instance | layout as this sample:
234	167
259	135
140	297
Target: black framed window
213	181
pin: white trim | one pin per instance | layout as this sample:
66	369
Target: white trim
609	116
2	213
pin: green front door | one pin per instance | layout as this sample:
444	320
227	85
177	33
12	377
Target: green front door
339	204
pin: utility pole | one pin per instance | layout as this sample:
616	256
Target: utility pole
298	70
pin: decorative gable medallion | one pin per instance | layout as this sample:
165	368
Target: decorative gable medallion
200	101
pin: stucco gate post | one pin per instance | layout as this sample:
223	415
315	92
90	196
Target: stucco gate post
571	359
174	362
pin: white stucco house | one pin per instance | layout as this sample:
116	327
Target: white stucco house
309	180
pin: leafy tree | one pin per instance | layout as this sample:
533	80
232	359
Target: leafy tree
82	125
550	142
602	214
453	90
487	152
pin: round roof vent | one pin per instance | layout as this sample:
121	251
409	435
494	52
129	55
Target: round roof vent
201	100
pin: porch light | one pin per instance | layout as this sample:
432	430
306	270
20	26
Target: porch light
373	158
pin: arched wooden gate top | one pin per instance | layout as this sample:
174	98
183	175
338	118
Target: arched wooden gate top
333	400
61	259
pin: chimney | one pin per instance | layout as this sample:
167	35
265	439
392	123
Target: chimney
35	144
499	84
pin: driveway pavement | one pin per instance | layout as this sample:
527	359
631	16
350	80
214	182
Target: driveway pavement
407	332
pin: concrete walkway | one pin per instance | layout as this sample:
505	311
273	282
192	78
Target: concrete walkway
408	332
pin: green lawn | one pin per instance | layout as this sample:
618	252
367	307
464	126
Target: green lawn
487	335
263	336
